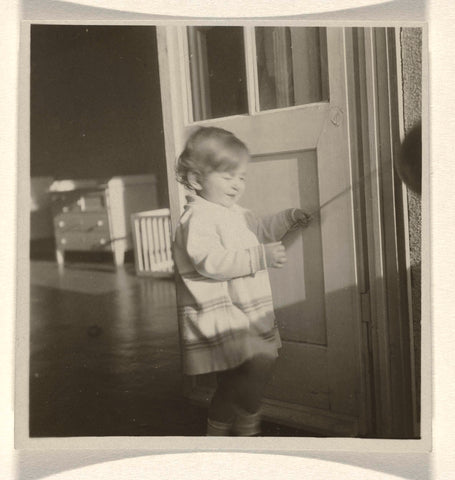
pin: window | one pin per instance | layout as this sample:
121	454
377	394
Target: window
291	65
291	69
217	70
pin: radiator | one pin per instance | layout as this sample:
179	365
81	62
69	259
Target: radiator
152	242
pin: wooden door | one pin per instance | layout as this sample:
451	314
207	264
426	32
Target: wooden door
283	92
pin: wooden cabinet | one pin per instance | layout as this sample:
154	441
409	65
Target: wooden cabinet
94	215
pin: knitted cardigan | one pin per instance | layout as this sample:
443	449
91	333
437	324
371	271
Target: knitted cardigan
225	307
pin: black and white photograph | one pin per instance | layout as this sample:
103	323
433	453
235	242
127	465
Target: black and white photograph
224	231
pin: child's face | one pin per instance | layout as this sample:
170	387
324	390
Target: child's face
224	187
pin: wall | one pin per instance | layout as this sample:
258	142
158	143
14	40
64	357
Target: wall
95	103
411	50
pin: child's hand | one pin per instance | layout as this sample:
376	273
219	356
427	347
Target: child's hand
300	218
275	254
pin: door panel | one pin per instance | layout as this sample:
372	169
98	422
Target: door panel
300	158
289	130
298	287
300	376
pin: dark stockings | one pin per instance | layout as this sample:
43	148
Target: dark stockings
240	387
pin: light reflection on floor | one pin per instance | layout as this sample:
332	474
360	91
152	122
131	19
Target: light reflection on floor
104	355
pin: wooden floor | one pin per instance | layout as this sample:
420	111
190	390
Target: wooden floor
104	354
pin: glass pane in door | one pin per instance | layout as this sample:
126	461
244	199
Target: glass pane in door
217	71
292	66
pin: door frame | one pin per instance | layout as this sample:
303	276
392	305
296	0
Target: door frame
374	118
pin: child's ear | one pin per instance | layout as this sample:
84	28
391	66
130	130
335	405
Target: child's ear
194	181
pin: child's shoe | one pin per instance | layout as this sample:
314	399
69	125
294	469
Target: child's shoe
246	424
218	429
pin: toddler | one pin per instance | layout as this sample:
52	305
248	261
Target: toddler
222	252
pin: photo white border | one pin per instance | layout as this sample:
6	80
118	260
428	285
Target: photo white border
167	444
440	463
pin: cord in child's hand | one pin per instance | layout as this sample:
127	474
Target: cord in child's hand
275	254
300	218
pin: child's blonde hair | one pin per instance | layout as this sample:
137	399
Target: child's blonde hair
208	149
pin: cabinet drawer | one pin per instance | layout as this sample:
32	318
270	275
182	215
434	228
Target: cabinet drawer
66	223
82	222
64	202
82	241
95	222
78	201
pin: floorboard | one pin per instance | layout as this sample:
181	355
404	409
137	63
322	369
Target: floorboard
104	354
